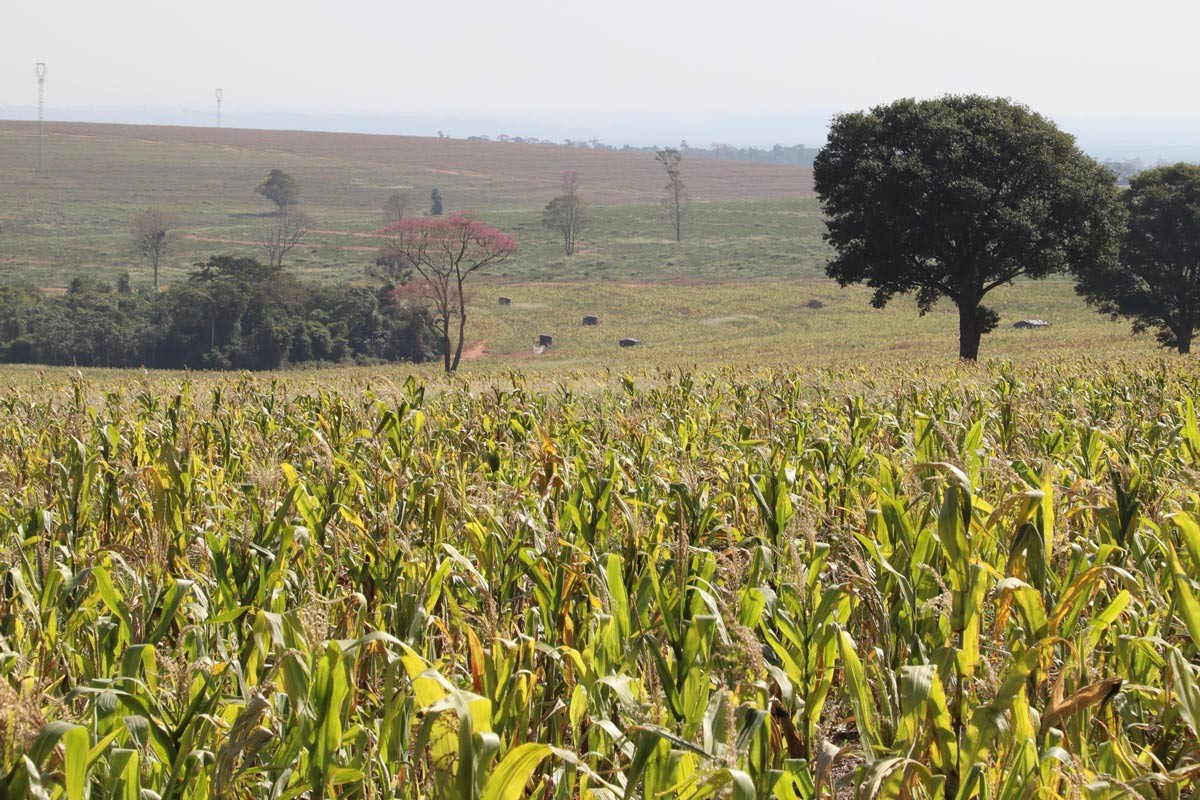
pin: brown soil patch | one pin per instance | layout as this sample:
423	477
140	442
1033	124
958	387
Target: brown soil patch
341	233
217	240
475	351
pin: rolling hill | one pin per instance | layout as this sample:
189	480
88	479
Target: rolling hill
75	221
482	175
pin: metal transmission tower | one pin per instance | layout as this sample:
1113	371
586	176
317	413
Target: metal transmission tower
220	95
41	78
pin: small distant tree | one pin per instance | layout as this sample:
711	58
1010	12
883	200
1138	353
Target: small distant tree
396	206
957	196
152	236
567	214
435	197
676	199
284	234
280	188
445	252
1156	283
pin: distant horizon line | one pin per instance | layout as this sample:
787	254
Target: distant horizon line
1125	136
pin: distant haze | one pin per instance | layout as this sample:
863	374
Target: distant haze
625	72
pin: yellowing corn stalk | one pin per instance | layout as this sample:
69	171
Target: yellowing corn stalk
870	583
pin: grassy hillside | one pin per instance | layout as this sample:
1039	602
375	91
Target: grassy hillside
748	219
474	174
686	324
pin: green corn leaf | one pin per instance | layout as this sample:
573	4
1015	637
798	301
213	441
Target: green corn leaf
75	762
1189	530
1183	683
859	694
508	780
1185	598
175	597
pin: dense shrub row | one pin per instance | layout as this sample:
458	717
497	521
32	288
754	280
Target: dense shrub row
232	313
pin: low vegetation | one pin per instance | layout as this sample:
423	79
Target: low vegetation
917	582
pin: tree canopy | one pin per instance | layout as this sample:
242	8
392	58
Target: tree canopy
280	188
956	196
445	252
1156	282
231	313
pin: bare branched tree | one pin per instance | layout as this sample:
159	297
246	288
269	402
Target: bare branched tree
676	199
395	207
285	233
567	214
152	235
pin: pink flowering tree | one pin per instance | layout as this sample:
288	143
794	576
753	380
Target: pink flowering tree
445	252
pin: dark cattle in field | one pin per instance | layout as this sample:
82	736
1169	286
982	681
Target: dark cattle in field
506	301
545	340
591	320
1031	323
629	342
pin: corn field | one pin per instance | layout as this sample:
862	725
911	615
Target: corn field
895	583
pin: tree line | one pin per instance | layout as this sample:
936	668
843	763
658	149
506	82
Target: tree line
231	313
777	154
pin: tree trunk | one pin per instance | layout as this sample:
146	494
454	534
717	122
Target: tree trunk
462	327
446	341
1184	340
969	333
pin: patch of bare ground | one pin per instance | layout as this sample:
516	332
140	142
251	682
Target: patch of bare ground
348	247
475	351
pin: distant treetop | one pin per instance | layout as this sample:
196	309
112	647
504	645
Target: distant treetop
280	188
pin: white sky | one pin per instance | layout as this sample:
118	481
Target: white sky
547	57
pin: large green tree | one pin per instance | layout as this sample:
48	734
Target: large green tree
1157	280
956	196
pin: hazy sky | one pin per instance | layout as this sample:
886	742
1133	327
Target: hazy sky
550	58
